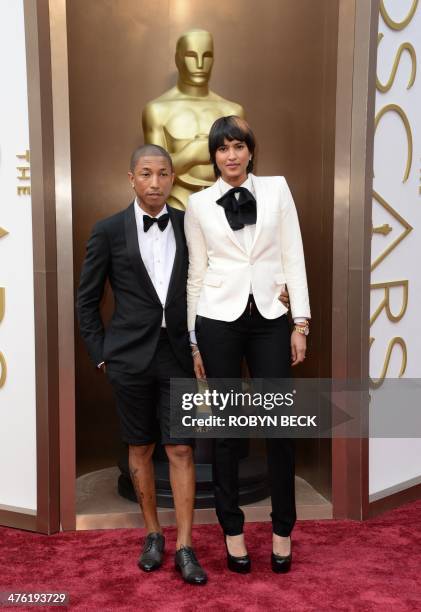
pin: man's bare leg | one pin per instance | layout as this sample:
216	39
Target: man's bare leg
143	478
182	477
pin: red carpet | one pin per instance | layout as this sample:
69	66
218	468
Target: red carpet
338	565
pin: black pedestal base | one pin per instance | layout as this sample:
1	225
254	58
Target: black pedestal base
252	480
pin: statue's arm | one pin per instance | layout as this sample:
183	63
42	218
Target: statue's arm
240	111
152	131
193	153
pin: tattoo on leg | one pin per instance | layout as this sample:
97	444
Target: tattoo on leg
139	493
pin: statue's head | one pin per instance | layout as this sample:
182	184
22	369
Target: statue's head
194	57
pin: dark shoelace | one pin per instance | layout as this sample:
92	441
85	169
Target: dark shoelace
148	544
188	556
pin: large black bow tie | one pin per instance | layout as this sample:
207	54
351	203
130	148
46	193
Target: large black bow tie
149	221
239	212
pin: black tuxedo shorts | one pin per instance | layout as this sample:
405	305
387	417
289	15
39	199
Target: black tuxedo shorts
143	400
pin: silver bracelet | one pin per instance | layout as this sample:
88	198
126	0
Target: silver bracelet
194	353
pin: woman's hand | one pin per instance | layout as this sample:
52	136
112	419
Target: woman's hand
298	348
199	368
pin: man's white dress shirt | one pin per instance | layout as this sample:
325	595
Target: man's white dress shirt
157	249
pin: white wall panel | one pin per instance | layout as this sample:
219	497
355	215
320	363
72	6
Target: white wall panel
17	394
398	134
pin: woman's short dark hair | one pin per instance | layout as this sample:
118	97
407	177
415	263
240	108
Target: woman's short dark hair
230	128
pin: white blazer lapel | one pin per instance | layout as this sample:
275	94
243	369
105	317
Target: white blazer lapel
261	197
223	219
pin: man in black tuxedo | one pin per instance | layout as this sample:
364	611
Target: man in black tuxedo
143	253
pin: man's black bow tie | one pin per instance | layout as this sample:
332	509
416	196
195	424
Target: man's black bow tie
239	212
149	221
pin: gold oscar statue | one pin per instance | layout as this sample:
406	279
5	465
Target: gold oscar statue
181	118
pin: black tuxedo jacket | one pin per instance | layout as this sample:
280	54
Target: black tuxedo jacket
129	341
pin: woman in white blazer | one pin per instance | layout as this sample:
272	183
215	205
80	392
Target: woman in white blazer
244	246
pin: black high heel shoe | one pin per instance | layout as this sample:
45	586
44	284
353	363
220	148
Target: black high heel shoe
281	564
240	565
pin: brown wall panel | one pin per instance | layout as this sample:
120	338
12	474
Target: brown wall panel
275	57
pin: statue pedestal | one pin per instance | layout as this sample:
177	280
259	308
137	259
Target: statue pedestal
253	482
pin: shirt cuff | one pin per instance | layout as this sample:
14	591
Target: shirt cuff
300	319
192	335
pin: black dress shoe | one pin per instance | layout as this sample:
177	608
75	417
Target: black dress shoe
280	564
152	553
241	565
189	566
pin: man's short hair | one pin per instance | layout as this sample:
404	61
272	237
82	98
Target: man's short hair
230	128
153	151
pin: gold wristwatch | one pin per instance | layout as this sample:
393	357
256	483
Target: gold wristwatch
302	328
